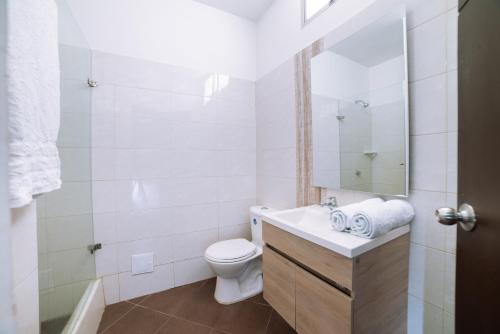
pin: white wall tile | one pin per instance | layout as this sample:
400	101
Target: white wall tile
449	283
428	162
452	92
70	232
103	167
135	100
103	132
132	286
111	289
452	163
428	105
424	318
420	11
194	218
72	266
74	198
75	96
105	228
425	230
427	271
236	232
427	49
75	164
106	260
193	270
235	212
103	98
129	248
236	188
103	196
191	245
74	130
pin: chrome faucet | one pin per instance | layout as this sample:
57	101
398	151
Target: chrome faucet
331	203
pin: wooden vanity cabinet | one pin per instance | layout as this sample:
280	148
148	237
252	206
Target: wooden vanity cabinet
319	291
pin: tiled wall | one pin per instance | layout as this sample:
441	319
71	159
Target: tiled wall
173	164
65	215
276	138
432	34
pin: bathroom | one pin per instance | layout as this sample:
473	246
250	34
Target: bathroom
191	159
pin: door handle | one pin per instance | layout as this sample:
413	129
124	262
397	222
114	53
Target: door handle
465	217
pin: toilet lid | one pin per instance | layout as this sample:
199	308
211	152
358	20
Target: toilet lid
230	250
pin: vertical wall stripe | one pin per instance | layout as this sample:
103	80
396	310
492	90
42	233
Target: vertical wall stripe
307	194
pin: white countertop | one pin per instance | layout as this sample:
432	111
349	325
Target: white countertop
323	235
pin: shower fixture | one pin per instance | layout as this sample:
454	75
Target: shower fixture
362	103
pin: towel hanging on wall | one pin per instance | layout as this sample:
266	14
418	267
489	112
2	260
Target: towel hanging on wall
33	92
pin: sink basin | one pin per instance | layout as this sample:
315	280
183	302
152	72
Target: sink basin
313	224
314	218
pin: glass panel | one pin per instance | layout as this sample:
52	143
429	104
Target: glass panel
65	227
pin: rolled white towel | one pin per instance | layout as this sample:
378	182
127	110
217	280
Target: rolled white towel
341	218
376	220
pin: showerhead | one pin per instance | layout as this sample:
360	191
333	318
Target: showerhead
362	103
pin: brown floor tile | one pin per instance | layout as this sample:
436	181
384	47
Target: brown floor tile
112	313
170	301
179	326
259	299
137	300
278	325
138	321
244	317
202	307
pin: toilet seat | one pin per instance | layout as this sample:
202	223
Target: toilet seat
230	251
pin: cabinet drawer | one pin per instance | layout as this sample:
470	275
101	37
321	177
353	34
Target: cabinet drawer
279	284
320	308
322	260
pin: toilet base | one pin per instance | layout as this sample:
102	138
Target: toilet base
247	285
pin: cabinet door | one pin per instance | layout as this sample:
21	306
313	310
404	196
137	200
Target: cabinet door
320	307
279	284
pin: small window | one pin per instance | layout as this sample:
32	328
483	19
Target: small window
314	7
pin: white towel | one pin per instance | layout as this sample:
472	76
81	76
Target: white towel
377	220
341	218
33	81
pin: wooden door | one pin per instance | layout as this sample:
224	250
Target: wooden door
478	251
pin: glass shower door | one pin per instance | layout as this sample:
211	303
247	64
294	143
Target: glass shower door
65	228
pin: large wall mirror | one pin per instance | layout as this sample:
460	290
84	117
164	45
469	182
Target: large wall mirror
360	110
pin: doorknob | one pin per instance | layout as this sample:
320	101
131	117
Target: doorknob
465	216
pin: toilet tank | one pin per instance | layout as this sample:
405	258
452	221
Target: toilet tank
256	213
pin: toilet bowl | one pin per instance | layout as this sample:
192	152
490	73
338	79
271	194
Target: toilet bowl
238	263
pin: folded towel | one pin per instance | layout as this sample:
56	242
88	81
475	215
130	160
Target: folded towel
376	220
33	96
341	218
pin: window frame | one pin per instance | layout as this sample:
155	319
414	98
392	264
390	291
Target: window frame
305	20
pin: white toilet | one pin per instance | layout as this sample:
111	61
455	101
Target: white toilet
238	264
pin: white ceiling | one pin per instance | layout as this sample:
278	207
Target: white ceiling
249	9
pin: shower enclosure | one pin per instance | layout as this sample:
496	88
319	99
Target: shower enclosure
65	222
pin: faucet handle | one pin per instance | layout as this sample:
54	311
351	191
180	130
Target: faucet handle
331	202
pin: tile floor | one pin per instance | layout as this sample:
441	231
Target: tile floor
191	309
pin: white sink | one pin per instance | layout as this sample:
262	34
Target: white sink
313	224
313	218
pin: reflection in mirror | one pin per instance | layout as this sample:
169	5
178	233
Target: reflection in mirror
360	110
